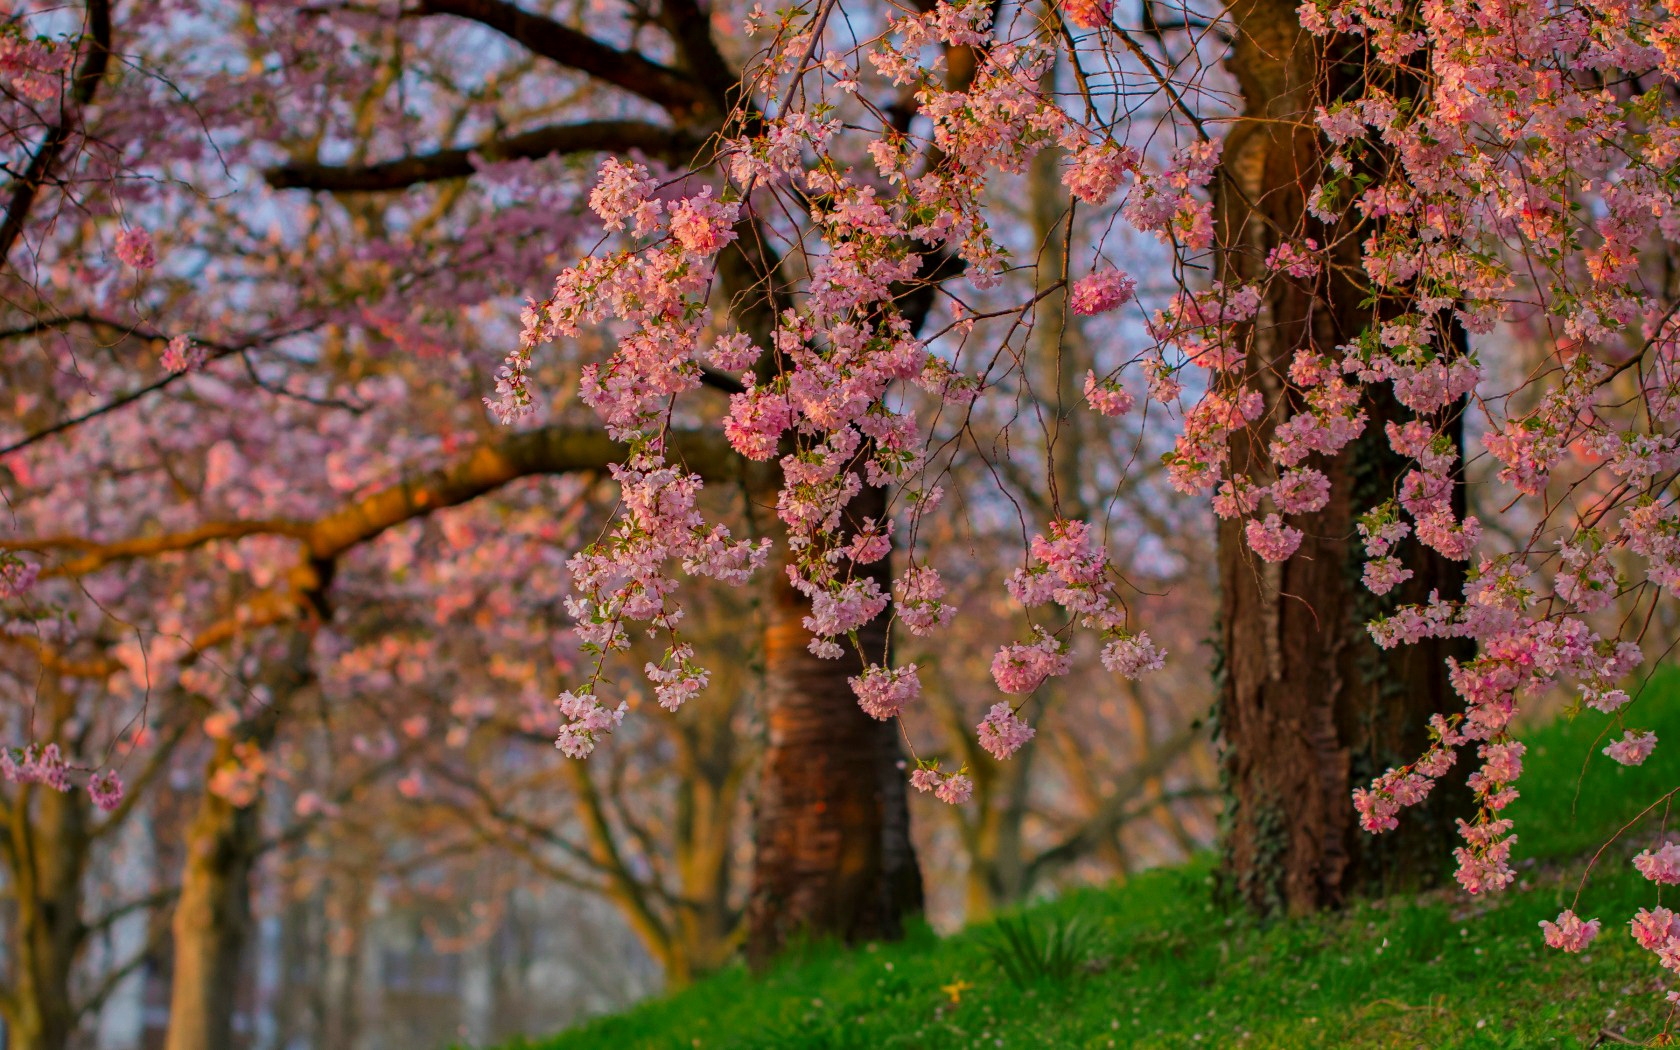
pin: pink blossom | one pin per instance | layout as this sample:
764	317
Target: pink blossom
951	788
1022	668
1608	701
1484	865
183	355
587	720
734	352
677	679
1633	748
1384	574
954	790
1502	763
106	789
36	765
1654	928
1097	171
1088	14
622	193
1236	497
1271	538
1101	292
134	247
1451	538
1301	491
16	576
1107	396
703	225
1661	866
756	421
1133	656
1569	933
1002	733
916	595
846	608
884	692
1296	262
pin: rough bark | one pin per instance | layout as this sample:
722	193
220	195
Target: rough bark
1309	707
831	820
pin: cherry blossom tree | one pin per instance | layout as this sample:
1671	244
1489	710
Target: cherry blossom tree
1355	199
805	319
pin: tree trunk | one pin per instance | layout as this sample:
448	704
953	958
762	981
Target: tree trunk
1309	707
212	920
832	827
48	852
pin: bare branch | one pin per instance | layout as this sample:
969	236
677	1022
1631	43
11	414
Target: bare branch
596	136
568	47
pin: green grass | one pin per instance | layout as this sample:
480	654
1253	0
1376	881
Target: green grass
1164	967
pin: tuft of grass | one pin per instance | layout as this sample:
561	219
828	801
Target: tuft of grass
1019	955
1440	970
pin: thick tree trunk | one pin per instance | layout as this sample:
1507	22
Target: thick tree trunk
832	826
212	921
1309	707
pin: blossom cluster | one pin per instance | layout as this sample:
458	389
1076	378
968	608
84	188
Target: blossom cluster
45	765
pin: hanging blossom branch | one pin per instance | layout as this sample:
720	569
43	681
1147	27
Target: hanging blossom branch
1488	167
818	397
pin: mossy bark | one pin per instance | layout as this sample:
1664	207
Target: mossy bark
1308	706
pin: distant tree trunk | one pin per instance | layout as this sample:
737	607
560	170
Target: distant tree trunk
48	850
1309	707
832	827
707	814
212	920
995	837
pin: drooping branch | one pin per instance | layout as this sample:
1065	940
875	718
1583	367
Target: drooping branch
562	44
595	136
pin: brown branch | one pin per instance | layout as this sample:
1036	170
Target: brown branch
267	608
41	165
562	44
156	931
98	555
691	29
1114	812
596	136
217	351
546	450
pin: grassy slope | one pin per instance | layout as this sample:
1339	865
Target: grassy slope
1442	971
